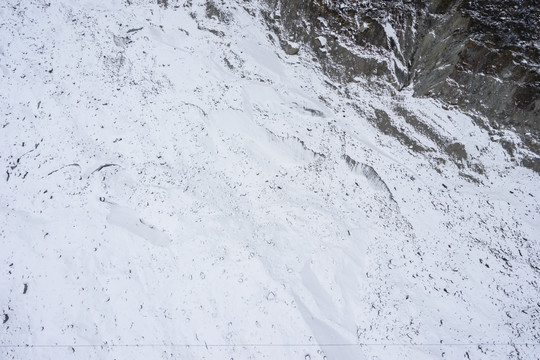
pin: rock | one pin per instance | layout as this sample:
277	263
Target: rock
291	48
480	57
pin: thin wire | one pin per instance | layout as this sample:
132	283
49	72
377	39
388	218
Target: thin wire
256	345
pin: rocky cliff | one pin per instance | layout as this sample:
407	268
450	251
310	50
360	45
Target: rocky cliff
481	58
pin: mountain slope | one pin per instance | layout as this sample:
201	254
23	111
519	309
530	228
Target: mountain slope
173	177
483	58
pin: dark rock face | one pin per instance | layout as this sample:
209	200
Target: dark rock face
481	56
491	56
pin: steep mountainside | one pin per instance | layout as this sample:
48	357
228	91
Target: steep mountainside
182	182
482	58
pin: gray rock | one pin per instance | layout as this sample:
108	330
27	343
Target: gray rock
290	48
482	57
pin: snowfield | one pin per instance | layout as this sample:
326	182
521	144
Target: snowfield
176	187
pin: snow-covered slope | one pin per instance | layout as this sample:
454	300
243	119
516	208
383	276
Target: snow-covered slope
176	186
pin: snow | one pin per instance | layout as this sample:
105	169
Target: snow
156	197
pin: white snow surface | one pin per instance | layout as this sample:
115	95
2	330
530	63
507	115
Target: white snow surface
181	192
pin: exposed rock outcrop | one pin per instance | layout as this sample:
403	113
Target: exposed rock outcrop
484	58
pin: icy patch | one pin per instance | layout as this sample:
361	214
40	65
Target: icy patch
127	219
